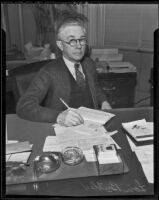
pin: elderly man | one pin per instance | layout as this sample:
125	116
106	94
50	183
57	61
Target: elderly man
72	77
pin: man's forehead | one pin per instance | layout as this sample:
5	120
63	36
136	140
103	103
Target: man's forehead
70	29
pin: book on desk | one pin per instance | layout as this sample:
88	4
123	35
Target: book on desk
140	131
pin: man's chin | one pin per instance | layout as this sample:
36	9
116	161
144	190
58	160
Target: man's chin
78	58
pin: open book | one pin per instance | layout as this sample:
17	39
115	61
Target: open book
95	116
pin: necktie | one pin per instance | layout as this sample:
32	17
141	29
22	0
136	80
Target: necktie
79	77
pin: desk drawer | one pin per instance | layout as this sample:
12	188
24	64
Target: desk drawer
120	102
118	87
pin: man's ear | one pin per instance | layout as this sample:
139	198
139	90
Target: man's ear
59	44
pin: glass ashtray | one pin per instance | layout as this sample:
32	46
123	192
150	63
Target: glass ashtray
72	156
47	162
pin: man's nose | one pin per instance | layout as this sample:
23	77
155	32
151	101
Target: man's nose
78	45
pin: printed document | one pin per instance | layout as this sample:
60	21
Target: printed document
145	156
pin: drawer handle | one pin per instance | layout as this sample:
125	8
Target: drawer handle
113	102
109	89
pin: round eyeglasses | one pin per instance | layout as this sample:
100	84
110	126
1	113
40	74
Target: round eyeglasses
73	42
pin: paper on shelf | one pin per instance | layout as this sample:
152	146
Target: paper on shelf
107	57
119	64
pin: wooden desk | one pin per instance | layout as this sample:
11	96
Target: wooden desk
132	183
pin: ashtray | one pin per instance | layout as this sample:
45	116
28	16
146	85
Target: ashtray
72	155
47	162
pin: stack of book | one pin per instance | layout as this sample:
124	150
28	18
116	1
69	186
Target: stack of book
109	54
139	130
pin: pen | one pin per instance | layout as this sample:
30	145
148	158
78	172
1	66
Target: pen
64	102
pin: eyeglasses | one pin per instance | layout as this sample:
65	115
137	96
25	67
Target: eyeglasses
73	42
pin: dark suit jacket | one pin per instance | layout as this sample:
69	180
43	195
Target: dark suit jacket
41	100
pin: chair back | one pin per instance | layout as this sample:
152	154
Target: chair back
23	76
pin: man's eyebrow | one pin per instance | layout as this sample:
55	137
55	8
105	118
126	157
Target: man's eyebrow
73	37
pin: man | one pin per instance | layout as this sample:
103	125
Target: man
71	78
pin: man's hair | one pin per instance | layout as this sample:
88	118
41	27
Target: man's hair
70	19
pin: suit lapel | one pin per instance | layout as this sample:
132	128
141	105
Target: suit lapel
90	82
65	82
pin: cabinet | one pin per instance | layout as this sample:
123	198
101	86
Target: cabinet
119	88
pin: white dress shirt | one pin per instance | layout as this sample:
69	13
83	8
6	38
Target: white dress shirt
71	68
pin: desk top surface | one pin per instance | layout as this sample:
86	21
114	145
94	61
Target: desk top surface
132	183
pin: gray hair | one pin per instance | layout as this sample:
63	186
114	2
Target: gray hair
69	22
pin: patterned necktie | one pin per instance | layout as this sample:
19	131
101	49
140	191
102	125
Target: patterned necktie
79	77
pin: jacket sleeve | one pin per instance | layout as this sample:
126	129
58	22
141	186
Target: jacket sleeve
29	105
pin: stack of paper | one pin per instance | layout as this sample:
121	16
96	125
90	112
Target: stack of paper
18	152
145	157
83	136
140	130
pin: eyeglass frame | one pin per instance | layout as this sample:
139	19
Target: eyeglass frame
76	42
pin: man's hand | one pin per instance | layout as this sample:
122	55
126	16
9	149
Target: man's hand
106	106
69	117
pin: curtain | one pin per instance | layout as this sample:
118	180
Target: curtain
96	14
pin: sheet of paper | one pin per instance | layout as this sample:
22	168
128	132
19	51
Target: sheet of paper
19	157
78	132
90	155
51	144
146	160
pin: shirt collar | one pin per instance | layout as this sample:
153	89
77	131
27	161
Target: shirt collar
68	62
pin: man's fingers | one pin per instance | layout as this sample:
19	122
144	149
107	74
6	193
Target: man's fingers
77	116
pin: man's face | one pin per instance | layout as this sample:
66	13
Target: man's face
72	53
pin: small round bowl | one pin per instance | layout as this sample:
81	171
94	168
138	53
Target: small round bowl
72	156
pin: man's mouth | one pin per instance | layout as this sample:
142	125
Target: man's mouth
78	53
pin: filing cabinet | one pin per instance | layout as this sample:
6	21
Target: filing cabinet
119	88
